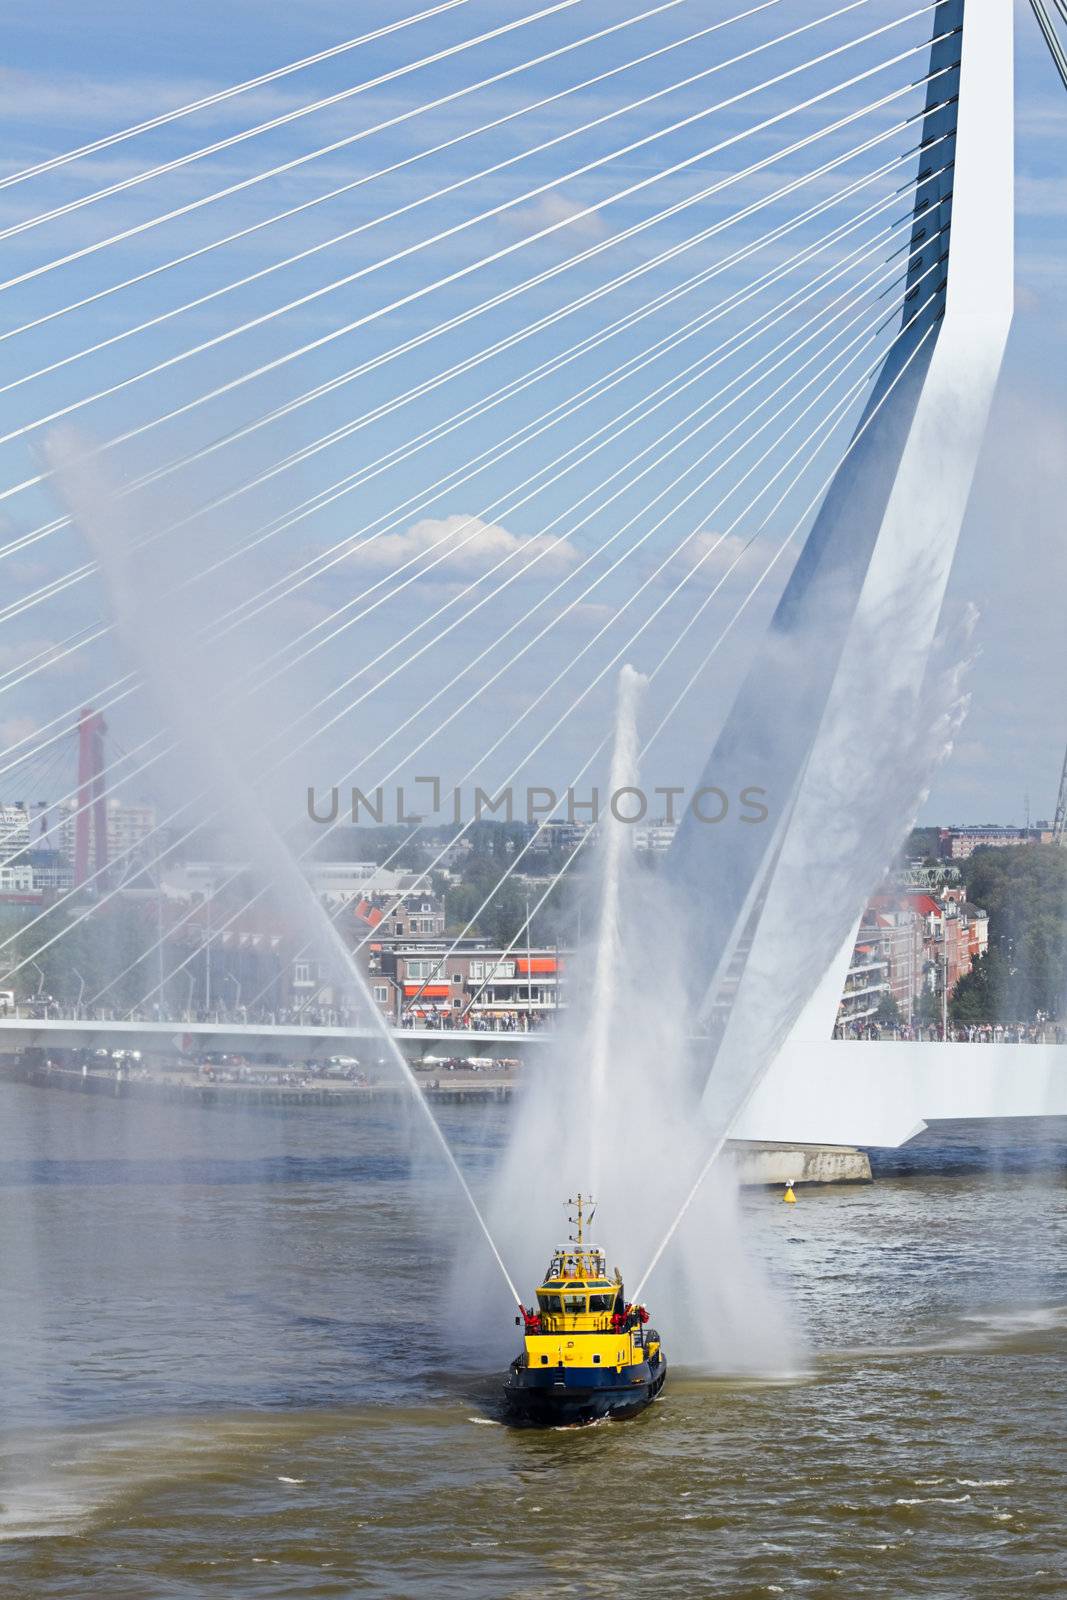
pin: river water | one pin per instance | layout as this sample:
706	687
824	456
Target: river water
231	1367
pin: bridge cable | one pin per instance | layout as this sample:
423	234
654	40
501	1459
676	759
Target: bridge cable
331	194
59	584
283	120
389	171
461	273
796	299
698	322
1050	36
24	540
107	896
111	139
221	500
738	612
694	325
855	389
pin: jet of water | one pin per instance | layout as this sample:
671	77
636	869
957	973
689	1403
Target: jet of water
157	638
616	1094
615	842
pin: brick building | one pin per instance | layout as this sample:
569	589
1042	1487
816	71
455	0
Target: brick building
918	942
956	844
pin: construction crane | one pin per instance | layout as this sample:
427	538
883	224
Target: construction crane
1060	818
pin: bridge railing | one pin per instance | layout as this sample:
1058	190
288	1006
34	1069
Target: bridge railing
241	1016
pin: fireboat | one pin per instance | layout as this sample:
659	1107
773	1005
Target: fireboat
587	1351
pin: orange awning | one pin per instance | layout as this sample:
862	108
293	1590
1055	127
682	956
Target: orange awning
529	965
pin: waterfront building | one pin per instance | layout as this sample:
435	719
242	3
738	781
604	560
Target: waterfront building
402	916
957	843
127	828
26	871
340	882
965	932
866	984
895	926
14	830
655	837
557	834
16	878
476	985
920	942
53	872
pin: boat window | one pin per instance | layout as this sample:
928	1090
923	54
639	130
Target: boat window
596	1361
574	1304
544	1361
601	1302
549	1302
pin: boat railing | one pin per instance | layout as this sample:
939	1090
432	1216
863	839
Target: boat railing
589	1262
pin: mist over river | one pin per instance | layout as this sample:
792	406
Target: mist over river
234	1364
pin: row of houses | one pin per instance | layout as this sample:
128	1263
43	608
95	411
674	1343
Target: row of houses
414	975
911	944
419	977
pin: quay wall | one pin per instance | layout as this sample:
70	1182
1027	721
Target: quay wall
179	1089
757	1164
761	1164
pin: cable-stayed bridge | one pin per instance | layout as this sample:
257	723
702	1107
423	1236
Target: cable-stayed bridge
839	1093
371	436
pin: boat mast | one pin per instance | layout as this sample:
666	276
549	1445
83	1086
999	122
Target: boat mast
581	1257
577	1238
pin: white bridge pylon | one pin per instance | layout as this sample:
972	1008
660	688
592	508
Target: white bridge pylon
834	717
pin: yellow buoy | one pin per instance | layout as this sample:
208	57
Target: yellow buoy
789	1197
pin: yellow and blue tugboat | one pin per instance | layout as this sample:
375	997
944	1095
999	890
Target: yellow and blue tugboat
587	1352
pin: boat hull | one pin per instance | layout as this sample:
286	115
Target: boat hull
567	1395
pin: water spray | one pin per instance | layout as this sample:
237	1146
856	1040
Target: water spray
614	843
98	512
679	1216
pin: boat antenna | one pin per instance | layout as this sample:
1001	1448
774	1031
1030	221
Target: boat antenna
578	1202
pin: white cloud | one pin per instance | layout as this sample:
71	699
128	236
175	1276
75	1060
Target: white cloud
111	103
15	729
463	545
1044	196
549	210
708	554
15	653
592	613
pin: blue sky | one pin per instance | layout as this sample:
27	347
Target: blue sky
626	470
